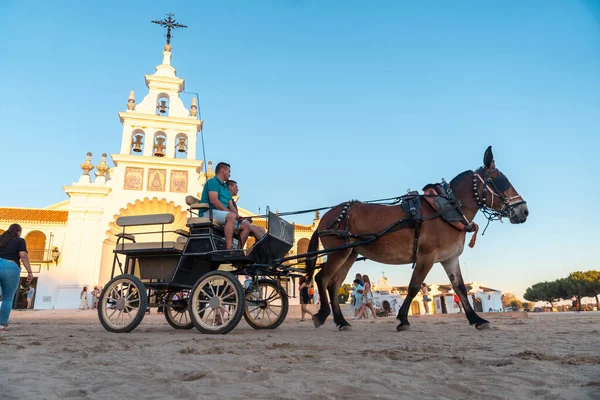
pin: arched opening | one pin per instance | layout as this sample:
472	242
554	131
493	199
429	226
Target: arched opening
137	142
162	105
181	145
36	245
302	248
415	308
478	305
159	146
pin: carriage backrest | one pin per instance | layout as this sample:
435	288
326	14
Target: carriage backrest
276	243
149	219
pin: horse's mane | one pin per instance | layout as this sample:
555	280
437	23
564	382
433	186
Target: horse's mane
459	177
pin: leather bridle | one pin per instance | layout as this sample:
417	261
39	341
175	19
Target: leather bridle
495	187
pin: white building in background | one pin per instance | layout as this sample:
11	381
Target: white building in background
71	243
481	297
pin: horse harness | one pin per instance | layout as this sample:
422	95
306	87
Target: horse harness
438	196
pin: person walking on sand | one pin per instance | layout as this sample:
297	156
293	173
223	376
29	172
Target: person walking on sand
30	293
95	297
426	300
304	297
367	299
358	297
457	302
84	299
12	250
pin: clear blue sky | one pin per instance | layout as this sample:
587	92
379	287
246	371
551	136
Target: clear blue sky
319	102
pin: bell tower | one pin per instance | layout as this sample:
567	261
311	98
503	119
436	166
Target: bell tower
160	125
159	137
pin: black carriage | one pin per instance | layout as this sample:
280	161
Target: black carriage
193	279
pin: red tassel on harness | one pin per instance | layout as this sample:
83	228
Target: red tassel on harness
474	237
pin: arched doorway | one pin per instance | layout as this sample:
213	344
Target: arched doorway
302	248
415	308
139	207
36	245
478	305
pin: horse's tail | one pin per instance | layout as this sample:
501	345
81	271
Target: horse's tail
311	262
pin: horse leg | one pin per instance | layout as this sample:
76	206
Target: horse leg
328	271
418	276
452	268
334	288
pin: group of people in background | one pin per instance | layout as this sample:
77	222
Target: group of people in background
84	298
362	297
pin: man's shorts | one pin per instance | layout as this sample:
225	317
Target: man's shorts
220	216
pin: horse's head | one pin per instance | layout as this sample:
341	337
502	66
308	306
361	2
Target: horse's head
493	190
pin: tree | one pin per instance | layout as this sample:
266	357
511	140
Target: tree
510	300
546	291
344	293
585	284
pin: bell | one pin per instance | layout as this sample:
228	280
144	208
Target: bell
159	147
162	108
137	144
181	146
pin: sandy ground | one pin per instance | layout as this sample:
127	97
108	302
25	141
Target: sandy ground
67	354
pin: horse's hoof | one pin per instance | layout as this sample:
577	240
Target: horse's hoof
484	326
345	328
401	328
316	321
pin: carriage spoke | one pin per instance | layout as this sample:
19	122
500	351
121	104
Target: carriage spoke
273	312
116	293
131	293
266	314
212	289
224	289
229	295
113	313
224	309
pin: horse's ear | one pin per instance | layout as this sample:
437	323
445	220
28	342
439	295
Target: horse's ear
488	158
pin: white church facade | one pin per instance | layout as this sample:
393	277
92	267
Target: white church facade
71	243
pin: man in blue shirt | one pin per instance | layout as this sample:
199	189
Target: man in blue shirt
217	195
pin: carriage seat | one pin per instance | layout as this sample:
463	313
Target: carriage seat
195	206
154	246
143	220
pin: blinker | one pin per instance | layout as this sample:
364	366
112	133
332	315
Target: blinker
501	183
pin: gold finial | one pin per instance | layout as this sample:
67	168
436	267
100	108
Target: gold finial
87	165
102	167
131	102
168	47
210	173
194	108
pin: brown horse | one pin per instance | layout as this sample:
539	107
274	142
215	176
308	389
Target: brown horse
347	224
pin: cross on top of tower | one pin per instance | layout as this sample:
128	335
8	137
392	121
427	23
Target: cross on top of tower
169	23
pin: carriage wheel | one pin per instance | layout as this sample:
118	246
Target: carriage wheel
266	305
176	311
122	304
216	303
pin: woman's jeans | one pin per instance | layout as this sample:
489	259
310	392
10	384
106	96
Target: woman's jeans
9	281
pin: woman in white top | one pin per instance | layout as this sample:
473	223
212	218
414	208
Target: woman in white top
367	299
84	299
